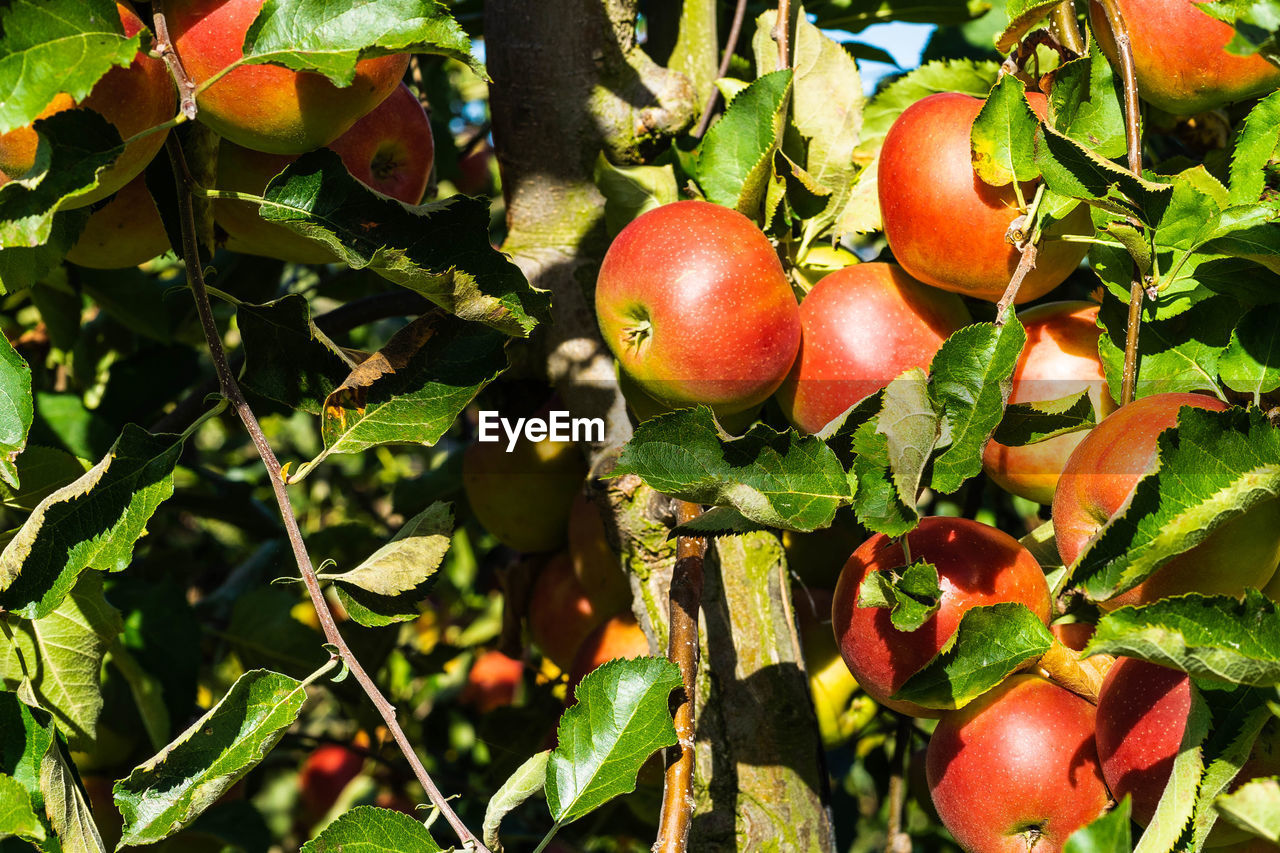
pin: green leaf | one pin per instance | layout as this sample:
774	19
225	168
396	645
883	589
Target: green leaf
856	15
440	250
17	818
1071	169
65	805
412	555
168	792
1031	423
1178	354
16	410
1213	637
1003	136
59	657
287	359
329	38
1023	15
1177	803
1251	362
263	633
369	829
861	212
779	479
1087	103
1256	22
75	145
735	159
991	643
911	595
26	735
718	521
527	780
22	267
961	75
1107	833
90	523
1237	721
1250	231
1255	807
620	718
878	504
1255	147
632	190
911	429
416	400
56	46
969	381
1213	467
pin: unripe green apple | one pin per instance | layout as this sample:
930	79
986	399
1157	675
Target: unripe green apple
977	564
135	97
595	564
862	326
840	710
945	226
693	302
1180	56
269	107
390	150
124	232
1102	472
1016	770
1060	358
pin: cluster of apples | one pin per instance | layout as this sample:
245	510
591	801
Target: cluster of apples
266	116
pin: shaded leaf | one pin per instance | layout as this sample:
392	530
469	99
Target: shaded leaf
1107	833
991	643
912	594
90	523
1031	423
369	829
1251	362
16	410
168	792
1023	15
911	430
1178	354
620	718
632	190
263	633
1255	147
1072	170
65	805
288	359
526	781
778	479
878	504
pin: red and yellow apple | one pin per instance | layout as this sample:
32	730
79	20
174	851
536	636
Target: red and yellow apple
1142	714
124	232
133	98
862	326
1060	358
561	615
325	772
1016	770
268	107
1180	57
390	150
693	302
595	564
617	637
977	565
1102	472
492	681
945	226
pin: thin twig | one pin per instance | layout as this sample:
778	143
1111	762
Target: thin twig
682	649
1025	265
782	33
1133	138
164	47
898	786
1062	23
231	391
735	29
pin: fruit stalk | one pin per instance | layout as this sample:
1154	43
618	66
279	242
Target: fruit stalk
1133	136
231	391
682	649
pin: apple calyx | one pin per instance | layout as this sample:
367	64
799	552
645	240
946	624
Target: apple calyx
635	335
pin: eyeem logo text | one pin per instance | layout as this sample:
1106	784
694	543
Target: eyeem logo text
557	426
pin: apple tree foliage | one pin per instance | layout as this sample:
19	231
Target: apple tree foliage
154	661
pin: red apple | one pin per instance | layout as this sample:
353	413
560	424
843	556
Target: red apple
133	98
325	772
618	637
595	564
1016	769
862	326
1180	57
1073	635
1059	358
1142	714
1102	472
945	226
561	614
390	150
124	232
976	565
693	302
492	681
268	107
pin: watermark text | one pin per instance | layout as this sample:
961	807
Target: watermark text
557	426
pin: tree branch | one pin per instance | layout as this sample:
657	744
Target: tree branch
735	30
164	47
231	391
782	33
682	648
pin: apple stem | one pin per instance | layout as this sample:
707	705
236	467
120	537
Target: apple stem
164	47
1133	135
682	649
1070	669
735	30
231	392
782	33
